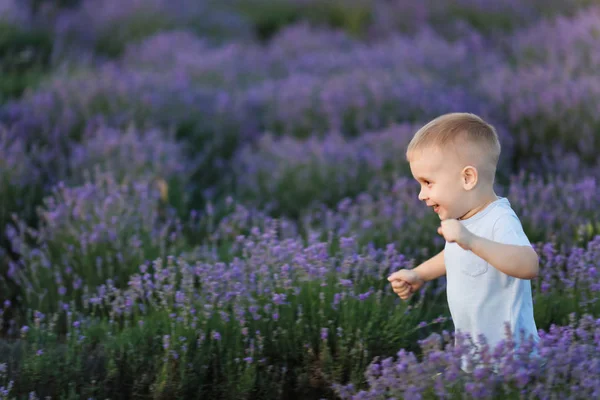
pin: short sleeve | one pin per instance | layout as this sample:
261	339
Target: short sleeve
508	230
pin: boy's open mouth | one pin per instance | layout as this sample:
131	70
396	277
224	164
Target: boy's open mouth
436	208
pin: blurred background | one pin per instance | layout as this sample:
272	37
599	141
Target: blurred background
135	130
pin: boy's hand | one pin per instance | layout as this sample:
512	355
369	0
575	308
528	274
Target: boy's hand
454	231
405	282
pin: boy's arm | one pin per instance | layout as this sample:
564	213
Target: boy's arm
432	268
514	260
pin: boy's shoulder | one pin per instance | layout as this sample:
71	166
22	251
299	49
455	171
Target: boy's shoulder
503	211
499	222
505	224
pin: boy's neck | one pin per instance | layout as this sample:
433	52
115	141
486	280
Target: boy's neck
482	205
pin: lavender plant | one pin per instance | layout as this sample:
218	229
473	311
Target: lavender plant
453	19
568	41
300	38
210	121
574	274
87	235
21	186
391	214
285	309
557	366
287	175
542	105
109	27
352	102
426	54
13	12
560	210
233	65
129	154
25	50
116	296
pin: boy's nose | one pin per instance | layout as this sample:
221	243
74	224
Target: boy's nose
422	195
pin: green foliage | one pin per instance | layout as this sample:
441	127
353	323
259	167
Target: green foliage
163	356
269	17
113	41
24	59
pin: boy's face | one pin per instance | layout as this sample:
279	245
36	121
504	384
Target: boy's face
439	174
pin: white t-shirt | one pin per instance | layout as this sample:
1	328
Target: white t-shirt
482	298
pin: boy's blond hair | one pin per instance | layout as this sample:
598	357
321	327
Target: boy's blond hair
457	130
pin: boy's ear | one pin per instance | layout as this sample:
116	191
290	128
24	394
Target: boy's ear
469	177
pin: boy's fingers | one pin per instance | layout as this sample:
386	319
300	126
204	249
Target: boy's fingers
403	290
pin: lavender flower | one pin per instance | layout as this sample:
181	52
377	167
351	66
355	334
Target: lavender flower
110	26
288	175
557	365
132	154
353	101
542	104
233	65
121	225
555	209
21	179
568	41
14	12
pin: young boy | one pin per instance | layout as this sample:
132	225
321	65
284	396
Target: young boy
487	259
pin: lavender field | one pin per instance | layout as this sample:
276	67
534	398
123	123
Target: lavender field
203	200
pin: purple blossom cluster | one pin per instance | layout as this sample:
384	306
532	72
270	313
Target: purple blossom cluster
128	154
288	174
424	54
234	220
233	65
58	110
550	96
58	116
13	12
543	105
568	41
562	364
453	17
391	214
296	40
89	234
21	178
109	26
352	101
303	50
574	273
17	169
556	209
272	286
275	293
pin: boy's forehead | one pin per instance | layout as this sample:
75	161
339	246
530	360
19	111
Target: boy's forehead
426	158
426	163
466	153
